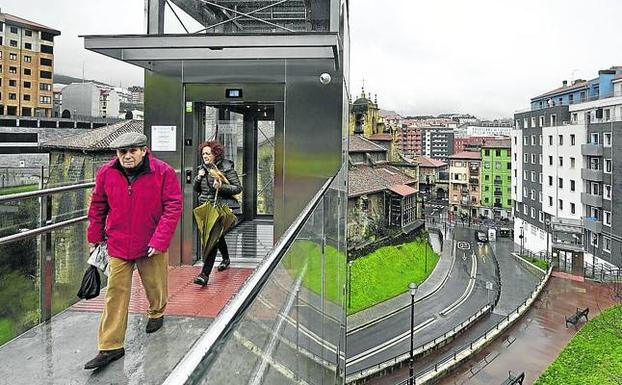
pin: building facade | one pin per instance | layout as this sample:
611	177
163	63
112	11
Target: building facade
84	100
496	179
409	140
26	67
563	155
437	143
464	183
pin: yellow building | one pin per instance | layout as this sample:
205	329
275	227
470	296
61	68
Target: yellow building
26	67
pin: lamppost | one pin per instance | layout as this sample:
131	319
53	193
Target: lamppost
413	290
426	257
547	224
522	239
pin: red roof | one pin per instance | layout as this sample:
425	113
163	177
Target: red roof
466	155
425	161
402	190
578	85
381	137
18	20
497	143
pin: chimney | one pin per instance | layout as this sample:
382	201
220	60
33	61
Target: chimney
565	83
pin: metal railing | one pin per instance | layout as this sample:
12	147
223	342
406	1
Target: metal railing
46	227
466	350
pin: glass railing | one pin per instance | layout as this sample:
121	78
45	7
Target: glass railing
287	323
43	253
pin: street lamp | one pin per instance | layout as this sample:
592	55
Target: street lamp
547	224
413	290
522	240
349	283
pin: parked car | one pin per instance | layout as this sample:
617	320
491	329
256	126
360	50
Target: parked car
481	236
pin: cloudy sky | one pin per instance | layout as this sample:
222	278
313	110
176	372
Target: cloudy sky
484	57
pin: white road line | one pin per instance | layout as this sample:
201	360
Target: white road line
387	344
467	293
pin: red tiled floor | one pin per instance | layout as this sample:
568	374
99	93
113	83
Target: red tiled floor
572	277
184	297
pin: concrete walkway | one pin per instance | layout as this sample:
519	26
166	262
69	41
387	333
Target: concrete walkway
427	288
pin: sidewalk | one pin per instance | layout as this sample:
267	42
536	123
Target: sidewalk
427	288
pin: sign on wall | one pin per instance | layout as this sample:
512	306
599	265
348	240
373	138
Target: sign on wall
163	138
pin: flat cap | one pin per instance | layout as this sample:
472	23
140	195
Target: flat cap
129	139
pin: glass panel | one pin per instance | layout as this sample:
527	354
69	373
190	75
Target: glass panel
294	329
265	167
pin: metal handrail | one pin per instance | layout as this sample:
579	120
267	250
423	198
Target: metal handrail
40	230
45	192
231	314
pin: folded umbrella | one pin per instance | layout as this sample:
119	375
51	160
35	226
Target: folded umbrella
213	220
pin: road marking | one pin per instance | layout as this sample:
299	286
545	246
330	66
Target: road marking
464	245
387	344
464	295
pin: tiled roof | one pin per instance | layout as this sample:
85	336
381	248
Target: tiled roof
18	20
466	155
364	179
579	85
95	140
497	143
357	143
381	137
403	190
425	161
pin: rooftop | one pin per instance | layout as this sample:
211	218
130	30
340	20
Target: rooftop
95	140
385	137
365	179
497	143
357	143
16	20
466	155
425	161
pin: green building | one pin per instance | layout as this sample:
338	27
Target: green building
496	178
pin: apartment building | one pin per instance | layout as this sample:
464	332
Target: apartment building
26	67
563	165
409	140
464	183
496	179
437	142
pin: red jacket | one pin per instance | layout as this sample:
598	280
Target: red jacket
133	217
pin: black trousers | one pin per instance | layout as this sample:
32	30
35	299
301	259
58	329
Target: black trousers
210	259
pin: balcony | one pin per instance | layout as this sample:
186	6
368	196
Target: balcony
591	174
592	149
592	224
592	200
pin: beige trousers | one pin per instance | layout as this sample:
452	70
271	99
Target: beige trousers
153	273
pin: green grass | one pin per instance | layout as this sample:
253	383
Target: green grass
593	356
18	189
386	273
376	277
541	263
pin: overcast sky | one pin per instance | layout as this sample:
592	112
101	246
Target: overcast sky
484	57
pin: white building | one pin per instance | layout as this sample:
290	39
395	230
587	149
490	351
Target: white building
86	100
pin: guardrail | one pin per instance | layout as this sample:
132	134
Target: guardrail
466	350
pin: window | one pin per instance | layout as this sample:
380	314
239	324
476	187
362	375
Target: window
540	196
515	140
594	138
561	161
607	139
13	29
533	158
497	152
607	191
550	160
561	140
27	71
551	201
27	32
572	162
526	158
607	114
532	195
550	180
550	140
525	123
607	244
526	140
525	192
12	83
12	56
553	119
572	208
533	176
608	165
533	121
539	177
541	216
541	121
45	62
12	96
533	140
45	74
572	185
575	117
13	43
560	203
525	209
607	218
27	45
508	165
45	99
45	87
47	36
27	59
540	159
560	183
26	97
47	49
487	152
533	213
540	140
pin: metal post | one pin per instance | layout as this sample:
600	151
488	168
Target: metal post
413	291
46	261
426	257
349	283
522	240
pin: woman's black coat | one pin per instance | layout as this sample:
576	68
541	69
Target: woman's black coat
205	185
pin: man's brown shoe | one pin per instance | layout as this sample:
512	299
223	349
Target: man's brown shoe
104	357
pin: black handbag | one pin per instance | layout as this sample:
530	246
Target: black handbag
91	284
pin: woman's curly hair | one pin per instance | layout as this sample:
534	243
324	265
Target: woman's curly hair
218	150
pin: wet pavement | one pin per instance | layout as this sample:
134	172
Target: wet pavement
539	337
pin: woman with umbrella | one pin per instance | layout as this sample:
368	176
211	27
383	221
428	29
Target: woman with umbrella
218	184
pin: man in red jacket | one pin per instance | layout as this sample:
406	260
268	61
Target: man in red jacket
135	207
